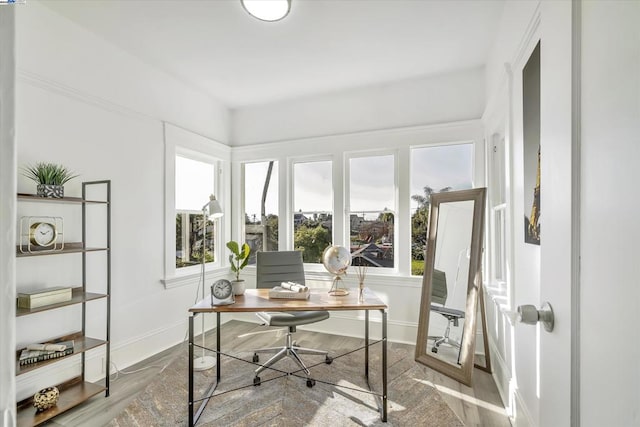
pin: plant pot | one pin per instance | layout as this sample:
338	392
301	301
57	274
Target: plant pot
238	287
50	190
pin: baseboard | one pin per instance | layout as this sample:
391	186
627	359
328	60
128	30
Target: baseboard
515	406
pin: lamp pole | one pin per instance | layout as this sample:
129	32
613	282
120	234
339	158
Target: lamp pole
205	362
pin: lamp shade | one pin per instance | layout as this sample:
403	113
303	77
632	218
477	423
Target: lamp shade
267	10
213	207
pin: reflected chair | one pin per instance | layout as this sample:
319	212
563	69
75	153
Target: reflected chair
438	301
273	268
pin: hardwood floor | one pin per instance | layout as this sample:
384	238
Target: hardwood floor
479	405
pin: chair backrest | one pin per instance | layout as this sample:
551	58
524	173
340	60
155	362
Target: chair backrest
279	266
439	287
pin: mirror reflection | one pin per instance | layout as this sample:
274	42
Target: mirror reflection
449	280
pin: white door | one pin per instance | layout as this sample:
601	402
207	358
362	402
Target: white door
558	249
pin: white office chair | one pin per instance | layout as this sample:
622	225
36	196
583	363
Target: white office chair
274	268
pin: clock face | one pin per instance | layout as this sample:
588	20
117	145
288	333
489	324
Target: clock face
43	233
222	289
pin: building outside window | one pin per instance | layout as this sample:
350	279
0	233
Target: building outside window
194	182
434	169
313	208
261	207
372	210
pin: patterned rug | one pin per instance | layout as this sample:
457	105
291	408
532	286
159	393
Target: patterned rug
288	401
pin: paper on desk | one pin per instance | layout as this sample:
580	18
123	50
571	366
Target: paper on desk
295	287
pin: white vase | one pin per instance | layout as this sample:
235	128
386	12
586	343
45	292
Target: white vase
238	287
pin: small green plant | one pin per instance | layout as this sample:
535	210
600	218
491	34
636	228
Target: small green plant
48	173
239	256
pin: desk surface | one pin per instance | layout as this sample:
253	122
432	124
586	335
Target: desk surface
258	300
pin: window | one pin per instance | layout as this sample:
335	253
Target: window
313	209
194	182
372	210
498	213
261	206
433	170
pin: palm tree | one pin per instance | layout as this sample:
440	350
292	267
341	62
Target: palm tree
420	218
425	201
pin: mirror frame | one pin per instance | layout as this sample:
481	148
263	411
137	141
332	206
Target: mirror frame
463	371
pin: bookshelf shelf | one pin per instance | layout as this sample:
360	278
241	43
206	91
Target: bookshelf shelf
80	345
72	393
76	390
78	296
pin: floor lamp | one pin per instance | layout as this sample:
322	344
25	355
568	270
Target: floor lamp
213	211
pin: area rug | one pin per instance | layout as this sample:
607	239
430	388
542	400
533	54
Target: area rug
287	401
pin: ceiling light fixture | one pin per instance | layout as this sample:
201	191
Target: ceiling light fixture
267	10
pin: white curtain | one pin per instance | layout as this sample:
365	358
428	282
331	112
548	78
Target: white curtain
8	189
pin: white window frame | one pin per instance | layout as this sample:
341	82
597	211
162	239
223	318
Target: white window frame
337	148
394	209
181	142
290	211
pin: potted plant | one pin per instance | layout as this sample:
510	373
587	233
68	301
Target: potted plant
50	178
238	259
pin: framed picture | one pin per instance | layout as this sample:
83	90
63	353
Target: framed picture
531	148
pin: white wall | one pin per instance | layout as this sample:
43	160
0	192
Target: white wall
99	111
430	100
610	295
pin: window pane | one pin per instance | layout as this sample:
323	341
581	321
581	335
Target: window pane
194	182
189	243
433	170
371	183
372	206
261	207
313	189
372	239
313	212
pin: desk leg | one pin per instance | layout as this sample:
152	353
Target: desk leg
218	347
384	366
190	370
366	345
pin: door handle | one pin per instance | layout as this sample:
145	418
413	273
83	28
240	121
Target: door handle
530	315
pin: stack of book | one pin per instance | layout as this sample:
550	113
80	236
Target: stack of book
289	290
42	297
40	352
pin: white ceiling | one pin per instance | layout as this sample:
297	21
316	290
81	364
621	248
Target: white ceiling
322	46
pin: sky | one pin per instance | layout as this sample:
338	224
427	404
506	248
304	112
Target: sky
371	180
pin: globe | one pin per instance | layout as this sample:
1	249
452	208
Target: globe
336	259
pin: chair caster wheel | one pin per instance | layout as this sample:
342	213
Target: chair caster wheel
256	381
256	358
328	360
434	349
310	382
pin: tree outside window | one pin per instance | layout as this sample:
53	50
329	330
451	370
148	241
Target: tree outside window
313	209
194	182
261	207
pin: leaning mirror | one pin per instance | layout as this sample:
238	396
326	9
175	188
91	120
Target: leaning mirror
451	283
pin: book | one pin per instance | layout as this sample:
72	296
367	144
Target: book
28	357
42	297
279	292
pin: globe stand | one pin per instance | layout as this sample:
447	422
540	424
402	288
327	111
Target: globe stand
337	290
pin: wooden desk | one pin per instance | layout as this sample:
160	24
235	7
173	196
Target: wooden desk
257	300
